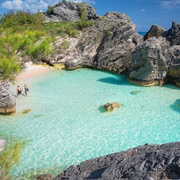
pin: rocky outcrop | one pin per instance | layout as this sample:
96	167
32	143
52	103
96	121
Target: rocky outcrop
173	35
112	43
143	162
108	44
155	31
70	11
7	101
157	60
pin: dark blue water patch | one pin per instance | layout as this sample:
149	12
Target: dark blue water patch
142	33
176	105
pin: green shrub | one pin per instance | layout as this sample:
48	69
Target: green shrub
10	157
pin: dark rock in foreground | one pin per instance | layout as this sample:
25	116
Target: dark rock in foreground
143	162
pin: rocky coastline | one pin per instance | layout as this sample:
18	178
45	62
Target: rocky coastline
112	43
143	162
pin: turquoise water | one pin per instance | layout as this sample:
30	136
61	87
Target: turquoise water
67	126
142	33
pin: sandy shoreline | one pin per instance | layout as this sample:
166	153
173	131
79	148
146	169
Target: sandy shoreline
32	71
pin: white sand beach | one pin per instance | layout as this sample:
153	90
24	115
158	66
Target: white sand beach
32	71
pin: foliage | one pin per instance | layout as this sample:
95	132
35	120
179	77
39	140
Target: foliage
28	44
9	69
49	11
10	157
19	18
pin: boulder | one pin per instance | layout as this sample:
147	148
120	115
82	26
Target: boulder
7	100
143	162
111	106
155	31
157	60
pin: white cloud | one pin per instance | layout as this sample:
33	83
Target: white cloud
170	4
143	10
34	5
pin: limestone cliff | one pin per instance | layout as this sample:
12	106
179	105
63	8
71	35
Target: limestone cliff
113	44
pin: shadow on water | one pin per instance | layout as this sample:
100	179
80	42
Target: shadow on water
110	80
176	105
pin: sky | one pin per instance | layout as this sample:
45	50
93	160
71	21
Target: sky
143	13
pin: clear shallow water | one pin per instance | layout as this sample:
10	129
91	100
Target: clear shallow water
66	125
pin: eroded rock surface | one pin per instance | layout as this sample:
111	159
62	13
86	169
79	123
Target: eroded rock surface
157	59
70	11
143	162
7	100
108	44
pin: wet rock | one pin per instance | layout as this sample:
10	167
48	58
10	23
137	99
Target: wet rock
111	106
143	162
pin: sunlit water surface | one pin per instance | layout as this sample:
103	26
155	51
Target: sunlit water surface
67	126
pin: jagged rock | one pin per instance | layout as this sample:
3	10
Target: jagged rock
111	106
43	177
70	11
143	162
156	60
113	44
173	35
149	62
108	44
7	100
155	31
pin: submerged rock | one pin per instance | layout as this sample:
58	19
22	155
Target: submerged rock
111	106
2	144
7	100
157	60
143	162
43	177
26	110
135	92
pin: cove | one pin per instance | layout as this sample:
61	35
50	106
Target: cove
67	126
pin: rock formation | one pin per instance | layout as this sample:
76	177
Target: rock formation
113	44
157	59
108	44
155	31
7	100
143	162
70	11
